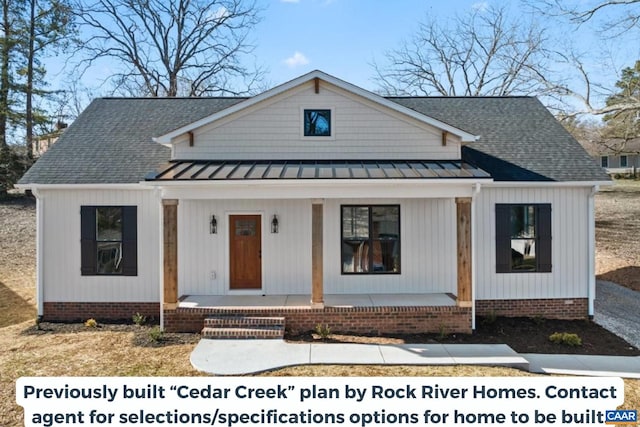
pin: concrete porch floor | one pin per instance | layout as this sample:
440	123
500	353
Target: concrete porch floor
333	300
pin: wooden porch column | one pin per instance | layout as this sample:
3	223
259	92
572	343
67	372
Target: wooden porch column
463	221
170	251
317	289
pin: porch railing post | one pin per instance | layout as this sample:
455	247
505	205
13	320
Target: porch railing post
463	225
170	250
317	285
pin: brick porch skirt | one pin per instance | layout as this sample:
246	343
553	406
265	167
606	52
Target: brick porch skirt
101	311
363	320
370	320
561	308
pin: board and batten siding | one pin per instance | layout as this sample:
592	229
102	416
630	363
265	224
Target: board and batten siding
569	246
203	258
428	247
273	130
61	248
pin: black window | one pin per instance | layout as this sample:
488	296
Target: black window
370	239
604	161
109	240
623	161
523	238
317	122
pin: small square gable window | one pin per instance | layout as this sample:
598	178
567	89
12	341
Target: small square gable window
317	122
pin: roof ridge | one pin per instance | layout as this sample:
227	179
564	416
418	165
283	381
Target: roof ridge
165	98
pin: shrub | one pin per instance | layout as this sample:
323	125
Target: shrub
442	334
565	338
91	323
323	330
156	334
490	318
139	319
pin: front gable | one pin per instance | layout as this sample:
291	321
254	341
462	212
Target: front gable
361	126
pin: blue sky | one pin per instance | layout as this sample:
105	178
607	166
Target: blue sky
340	37
344	37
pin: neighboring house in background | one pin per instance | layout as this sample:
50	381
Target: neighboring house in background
616	156
320	202
42	143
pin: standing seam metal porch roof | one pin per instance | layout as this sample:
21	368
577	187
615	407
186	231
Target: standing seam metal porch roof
202	170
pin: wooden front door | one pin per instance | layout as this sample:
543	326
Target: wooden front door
245	251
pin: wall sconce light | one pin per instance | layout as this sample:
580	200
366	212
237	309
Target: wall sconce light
274	224
213	225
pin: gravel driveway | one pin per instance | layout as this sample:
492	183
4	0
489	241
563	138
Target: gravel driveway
617	309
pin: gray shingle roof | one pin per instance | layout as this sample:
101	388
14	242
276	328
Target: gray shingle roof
111	141
519	138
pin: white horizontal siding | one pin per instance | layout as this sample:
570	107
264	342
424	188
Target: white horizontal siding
428	249
61	248
286	256
569	232
361	129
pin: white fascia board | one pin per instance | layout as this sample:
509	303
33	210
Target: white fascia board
531	184
319	189
96	186
167	138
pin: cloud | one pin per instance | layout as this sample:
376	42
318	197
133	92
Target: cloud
296	60
481	6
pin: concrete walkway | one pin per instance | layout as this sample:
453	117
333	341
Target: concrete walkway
238	357
617	311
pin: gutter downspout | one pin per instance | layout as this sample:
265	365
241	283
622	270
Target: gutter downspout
158	194
39	252
591	233
476	191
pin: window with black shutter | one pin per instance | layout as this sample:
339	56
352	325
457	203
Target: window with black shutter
109	240
523	238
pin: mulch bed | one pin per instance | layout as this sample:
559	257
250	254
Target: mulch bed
524	335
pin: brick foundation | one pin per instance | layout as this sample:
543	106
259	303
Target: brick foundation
564	308
101	311
363	320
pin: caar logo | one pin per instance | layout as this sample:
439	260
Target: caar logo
621	417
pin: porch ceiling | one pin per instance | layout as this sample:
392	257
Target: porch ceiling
201	170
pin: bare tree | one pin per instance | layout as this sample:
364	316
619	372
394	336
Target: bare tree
171	48
612	20
626	18
482	53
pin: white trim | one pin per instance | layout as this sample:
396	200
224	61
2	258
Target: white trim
390	189
227	289
94	186
39	252
474	252
534	184
167	138
158	195
591	257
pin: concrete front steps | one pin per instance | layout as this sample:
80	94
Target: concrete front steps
243	327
